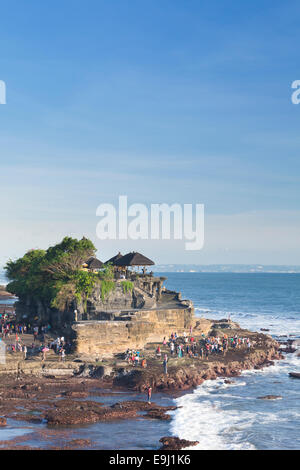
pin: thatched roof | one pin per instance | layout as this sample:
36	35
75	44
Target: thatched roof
114	259
134	259
94	263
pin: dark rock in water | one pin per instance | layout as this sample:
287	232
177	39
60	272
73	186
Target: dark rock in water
3	422
264	329
296	375
270	397
288	350
158	414
174	443
76	394
229	381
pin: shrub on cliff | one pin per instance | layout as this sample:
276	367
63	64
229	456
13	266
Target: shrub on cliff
55	276
50	275
127	286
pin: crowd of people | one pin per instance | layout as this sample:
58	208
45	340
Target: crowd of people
188	346
134	358
14	332
205	346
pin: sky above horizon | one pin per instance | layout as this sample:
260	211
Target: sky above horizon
165	102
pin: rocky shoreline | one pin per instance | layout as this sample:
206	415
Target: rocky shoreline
185	375
57	400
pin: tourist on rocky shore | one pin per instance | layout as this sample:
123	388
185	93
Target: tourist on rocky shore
144	363
165	364
149	394
44	351
62	355
25	352
35	333
136	359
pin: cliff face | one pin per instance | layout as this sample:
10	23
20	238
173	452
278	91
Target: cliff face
131	330
97	307
118	299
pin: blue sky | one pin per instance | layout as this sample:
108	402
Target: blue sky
173	101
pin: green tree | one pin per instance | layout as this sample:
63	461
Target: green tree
50	275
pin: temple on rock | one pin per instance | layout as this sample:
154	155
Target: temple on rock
108	307
138	310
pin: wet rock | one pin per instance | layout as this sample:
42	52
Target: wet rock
270	397
28	418
137	405
174	443
295	375
78	443
158	414
67	412
76	394
3	422
229	382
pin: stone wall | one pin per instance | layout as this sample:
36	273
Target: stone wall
103	338
107	337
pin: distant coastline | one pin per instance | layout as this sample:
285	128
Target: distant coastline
227	268
210	268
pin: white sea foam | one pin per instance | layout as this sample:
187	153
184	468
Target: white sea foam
201	419
209	415
276	324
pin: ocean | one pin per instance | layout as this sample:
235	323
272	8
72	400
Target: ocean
219	415
3	280
222	416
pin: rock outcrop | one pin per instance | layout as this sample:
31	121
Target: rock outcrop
270	397
174	443
194	372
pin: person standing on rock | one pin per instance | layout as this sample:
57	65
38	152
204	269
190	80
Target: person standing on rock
62	355
165	363
144	363
25	352
149	394
44	351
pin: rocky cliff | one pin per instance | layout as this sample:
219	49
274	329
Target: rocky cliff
130	330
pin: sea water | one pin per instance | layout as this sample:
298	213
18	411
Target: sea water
3	279
230	416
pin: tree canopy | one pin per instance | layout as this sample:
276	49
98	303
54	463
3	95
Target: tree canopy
47	275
